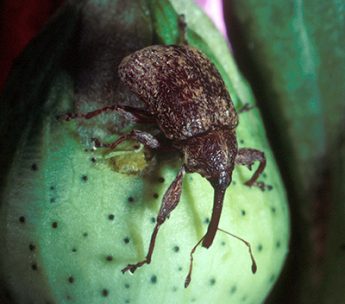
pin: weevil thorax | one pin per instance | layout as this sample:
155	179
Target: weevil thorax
212	155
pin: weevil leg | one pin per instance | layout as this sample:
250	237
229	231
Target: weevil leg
245	108
170	200
138	115
182	25
134	114
145	138
88	115
247	157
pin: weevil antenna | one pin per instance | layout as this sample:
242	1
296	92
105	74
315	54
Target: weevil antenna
189	275
254	267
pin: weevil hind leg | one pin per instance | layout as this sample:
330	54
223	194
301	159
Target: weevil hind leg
170	200
247	157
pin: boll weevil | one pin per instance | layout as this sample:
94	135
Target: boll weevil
186	98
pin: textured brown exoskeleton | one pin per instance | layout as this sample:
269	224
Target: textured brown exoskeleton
186	97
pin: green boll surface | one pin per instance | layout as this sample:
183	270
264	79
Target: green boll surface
70	219
70	224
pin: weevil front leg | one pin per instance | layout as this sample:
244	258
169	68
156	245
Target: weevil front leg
247	157
134	114
170	200
145	138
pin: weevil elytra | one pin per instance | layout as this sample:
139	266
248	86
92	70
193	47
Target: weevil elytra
186	98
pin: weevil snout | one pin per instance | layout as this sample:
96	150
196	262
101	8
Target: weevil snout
212	155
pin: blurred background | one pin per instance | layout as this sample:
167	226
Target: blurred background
293	55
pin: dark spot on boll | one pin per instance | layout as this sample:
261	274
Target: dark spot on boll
52	188
127	301
155	195
52	200
127	286
212	281
84	178
71	280
179	268
278	244
233	183
223	243
264	175
111	217
176	248
126	240
34	167
109	258
54	225
207	221
243	212
273	209
241	141
34	266
161	179
32	247
272	278
153	220
130	199
153	279
105	292
233	289
260	247
244	298
93	159
269	187
22	219
85	234
174	289
74	249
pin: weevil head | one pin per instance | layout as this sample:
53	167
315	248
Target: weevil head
212	155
